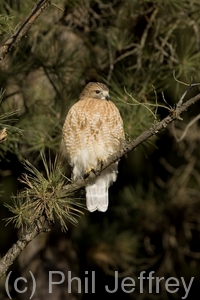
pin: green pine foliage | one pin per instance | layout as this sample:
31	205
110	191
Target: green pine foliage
44	195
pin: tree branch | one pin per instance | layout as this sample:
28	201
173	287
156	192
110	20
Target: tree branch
38	227
21	244
17	36
129	146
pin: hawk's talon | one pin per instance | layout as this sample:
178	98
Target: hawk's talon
87	172
100	164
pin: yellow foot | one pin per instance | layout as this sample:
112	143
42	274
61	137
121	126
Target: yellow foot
100	161
87	172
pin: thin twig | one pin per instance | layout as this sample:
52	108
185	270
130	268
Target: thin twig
186	129
180	102
21	32
144	37
190	86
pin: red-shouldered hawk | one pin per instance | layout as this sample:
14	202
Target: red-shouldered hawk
92	131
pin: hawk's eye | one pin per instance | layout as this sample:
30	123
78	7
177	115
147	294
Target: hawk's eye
97	92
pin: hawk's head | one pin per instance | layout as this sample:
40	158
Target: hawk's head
95	90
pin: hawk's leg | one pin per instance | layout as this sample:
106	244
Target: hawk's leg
100	164
96	170
87	172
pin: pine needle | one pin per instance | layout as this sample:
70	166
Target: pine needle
45	194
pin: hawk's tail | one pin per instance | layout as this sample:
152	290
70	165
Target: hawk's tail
97	192
97	197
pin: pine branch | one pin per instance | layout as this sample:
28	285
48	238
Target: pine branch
21	244
37	227
129	146
22	31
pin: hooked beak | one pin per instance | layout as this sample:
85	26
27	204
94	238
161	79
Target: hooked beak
106	95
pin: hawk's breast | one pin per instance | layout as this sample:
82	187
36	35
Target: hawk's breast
92	131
